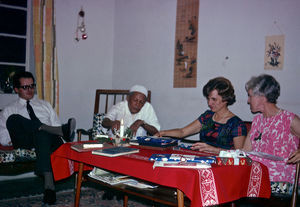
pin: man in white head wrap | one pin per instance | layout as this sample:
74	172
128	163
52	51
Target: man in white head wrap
136	113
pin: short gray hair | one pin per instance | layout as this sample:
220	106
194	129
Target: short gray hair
264	85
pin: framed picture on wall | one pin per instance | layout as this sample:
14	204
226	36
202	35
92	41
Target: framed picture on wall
274	52
186	37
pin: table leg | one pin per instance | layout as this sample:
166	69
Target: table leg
78	186
125	201
180	198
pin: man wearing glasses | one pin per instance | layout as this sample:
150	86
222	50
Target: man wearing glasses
30	123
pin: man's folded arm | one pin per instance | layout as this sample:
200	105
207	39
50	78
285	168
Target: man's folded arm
106	123
149	128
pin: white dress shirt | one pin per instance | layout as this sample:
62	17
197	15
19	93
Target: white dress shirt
42	109
121	111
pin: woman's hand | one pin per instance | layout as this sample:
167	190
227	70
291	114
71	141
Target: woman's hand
294	157
203	147
160	134
192	128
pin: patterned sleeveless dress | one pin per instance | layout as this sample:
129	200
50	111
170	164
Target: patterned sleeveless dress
272	135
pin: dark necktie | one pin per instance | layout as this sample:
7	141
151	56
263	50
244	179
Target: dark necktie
31	112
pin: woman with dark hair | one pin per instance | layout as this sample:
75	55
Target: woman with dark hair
218	127
273	131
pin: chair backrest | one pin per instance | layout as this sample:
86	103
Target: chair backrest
106	98
248	125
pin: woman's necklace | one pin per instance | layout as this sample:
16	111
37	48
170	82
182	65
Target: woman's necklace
219	121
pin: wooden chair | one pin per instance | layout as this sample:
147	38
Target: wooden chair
111	97
104	100
248	125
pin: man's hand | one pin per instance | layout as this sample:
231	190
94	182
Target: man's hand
134	127
294	157
115	125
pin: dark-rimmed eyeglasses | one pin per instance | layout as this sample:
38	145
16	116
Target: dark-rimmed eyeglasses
27	87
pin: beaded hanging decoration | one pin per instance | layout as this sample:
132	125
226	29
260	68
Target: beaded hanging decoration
81	29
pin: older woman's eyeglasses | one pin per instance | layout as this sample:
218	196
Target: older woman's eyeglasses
27	87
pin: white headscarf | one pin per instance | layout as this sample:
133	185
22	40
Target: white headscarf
139	88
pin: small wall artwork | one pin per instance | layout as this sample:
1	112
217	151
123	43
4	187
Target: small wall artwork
186	37
274	52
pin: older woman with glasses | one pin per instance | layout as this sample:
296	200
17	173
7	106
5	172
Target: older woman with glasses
274	131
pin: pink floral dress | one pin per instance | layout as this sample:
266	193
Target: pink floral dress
272	135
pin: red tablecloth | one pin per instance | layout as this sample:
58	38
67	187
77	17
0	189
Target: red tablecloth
219	184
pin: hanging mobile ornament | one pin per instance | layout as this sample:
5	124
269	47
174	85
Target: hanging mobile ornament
80	27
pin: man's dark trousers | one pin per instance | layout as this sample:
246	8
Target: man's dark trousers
25	133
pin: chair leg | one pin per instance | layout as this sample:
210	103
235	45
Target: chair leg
295	188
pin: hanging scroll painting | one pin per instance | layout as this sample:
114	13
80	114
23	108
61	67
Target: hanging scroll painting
274	52
186	43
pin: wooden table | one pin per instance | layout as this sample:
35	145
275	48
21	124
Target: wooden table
204	187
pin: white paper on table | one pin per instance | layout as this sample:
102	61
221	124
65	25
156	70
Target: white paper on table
91	145
232	153
266	156
195	165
